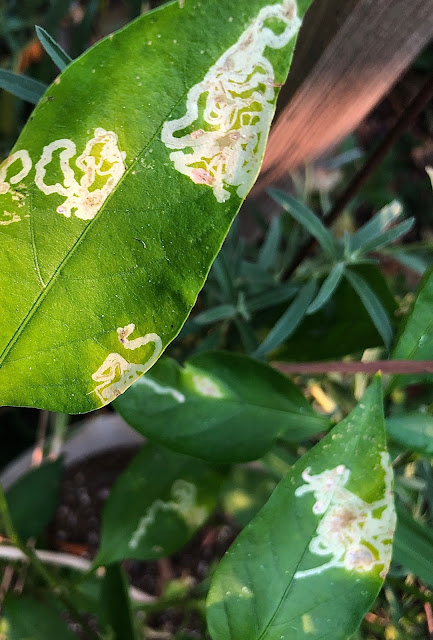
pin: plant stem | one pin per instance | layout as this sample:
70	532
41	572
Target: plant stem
38	566
391	367
409	114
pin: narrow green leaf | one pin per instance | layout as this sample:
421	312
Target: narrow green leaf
414	431
27	619
327	289
215	314
307	218
121	189
271	297
269	251
21	86
289	321
116	604
413	546
33	498
222	407
54	50
312	561
415	341
373	305
418	256
247	335
388	236
376	226
156	505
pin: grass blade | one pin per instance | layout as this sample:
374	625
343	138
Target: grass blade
22	86
307	218
54	50
373	305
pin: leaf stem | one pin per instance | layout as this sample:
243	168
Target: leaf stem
391	367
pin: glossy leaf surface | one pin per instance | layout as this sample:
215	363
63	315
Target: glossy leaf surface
416	339
414	431
156	505
221	407
27	619
312	561
121	188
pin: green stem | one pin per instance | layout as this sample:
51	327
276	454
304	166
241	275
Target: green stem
39	568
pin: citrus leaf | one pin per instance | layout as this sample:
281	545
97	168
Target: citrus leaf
222	407
121	188
27	619
413	546
116	604
414	431
156	505
415	341
311	562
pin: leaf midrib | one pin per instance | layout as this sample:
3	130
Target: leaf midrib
53	279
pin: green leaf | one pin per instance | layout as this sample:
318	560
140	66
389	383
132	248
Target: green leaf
276	295
388	236
373	305
116	604
342	327
415	341
310	566
22	87
375	227
27	619
121	188
414	431
413	546
33	498
215	314
418	256
54	50
269	251
222	407
307	218
327	289
289	321
156	505
245	492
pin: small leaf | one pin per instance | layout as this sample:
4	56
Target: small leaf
327	289
116	604
389	236
310	566
156	505
269	251
413	546
307	218
414	431
289	321
215	314
376	226
222	407
27	619
21	86
271	297
33	499
54	50
373	305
